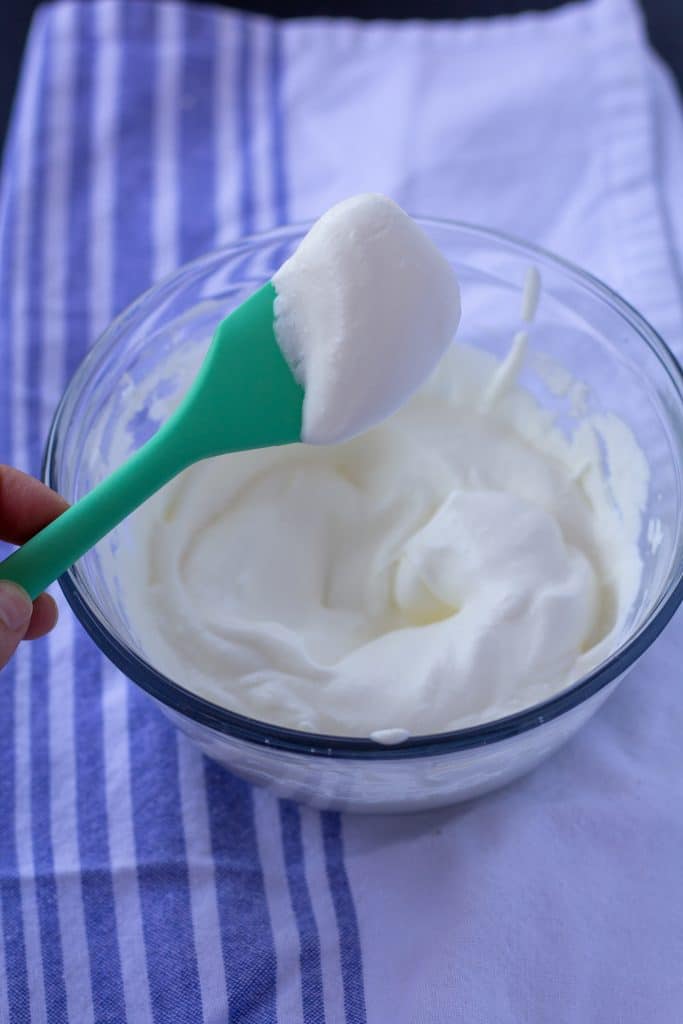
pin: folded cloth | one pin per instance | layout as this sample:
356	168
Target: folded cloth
143	883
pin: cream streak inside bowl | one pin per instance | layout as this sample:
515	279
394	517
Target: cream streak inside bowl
462	561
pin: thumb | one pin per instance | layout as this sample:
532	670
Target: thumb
15	614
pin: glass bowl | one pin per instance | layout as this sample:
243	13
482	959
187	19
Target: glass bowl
582	327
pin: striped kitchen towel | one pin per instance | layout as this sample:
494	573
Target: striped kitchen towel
140	882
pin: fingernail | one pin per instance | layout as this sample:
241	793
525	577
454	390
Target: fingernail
15	606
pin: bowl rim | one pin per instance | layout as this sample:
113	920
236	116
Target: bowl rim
254	731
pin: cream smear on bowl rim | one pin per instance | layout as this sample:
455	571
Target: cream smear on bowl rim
459	562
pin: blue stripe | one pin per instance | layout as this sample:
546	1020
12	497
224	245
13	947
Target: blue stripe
245	129
155	791
41	833
347	922
277	116
35	270
162	865
197	214
311	972
93	838
8	225
91	807
246	932
41	780
79	240
16	975
132	244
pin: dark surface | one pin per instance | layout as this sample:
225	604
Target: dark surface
664	18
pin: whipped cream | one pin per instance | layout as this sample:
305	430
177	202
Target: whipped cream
365	309
459	562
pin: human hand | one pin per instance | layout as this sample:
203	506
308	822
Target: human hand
26	506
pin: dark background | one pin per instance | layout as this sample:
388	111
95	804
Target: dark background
664	19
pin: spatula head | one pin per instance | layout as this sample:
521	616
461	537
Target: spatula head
244	396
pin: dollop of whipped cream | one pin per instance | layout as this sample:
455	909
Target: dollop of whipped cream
459	562
365	309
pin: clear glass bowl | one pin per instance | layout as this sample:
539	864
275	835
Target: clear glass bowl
624	367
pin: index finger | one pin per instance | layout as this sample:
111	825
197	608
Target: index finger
26	505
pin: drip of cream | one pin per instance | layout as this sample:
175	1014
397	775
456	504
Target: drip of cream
365	309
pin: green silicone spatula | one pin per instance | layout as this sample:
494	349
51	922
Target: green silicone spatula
244	396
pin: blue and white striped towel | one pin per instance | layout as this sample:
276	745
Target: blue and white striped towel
141	883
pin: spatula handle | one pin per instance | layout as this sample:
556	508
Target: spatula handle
52	551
